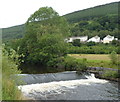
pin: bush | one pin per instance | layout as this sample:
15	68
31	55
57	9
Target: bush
82	65
70	63
9	88
111	74
113	57
76	42
56	63
74	64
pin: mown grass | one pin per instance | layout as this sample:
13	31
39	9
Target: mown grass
96	60
103	57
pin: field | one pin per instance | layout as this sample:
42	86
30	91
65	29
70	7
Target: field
103	57
96	60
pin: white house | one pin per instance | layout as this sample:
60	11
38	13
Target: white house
94	39
81	38
108	39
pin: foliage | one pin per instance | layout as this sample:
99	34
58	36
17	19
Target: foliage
49	48
90	43
74	64
46	21
9	67
44	39
12	33
111	74
76	42
93	27
90	13
116	42
94	49
113	57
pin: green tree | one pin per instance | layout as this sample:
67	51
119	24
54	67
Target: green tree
113	57
46	21
44	39
76	42
50	47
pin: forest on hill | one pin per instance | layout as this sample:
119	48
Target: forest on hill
100	20
14	32
90	13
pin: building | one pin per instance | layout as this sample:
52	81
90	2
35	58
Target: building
95	39
81	38
108	39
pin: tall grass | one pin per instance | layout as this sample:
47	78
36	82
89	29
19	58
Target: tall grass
9	88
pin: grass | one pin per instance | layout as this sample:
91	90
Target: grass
9	88
103	57
96	60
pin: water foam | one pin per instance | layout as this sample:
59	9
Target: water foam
58	87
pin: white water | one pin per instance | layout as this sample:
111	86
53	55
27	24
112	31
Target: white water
58	87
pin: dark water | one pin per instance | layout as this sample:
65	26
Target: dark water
68	86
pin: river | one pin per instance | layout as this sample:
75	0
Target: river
67	86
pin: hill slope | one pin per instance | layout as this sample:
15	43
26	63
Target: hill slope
87	14
13	32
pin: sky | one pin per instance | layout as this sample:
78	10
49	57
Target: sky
16	12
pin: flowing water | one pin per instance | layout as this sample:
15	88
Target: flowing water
67	86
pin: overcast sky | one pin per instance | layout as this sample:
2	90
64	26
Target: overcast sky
16	12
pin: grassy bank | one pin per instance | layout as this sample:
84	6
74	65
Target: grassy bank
96	60
9	88
100	60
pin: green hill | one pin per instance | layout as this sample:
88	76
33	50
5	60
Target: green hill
75	17
90	13
13	32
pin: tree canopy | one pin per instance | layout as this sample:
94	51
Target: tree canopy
47	21
44	39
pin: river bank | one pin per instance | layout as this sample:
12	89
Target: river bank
105	73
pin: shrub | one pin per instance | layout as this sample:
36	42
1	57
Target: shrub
9	88
82	64
113	57
74	64
111	74
70	63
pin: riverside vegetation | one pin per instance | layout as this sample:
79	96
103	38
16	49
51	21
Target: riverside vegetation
10	67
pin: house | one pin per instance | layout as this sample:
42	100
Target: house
108	39
81	38
94	39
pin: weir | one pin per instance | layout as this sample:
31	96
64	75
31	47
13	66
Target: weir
49	77
67	86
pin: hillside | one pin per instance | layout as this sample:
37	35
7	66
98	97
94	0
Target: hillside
13	32
90	13
75	17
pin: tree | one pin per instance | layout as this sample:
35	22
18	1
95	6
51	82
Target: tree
113	57
91	43
76	42
47	21
50	48
44	39
115	42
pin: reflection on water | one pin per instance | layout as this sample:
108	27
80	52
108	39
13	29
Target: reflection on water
38	69
68	86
